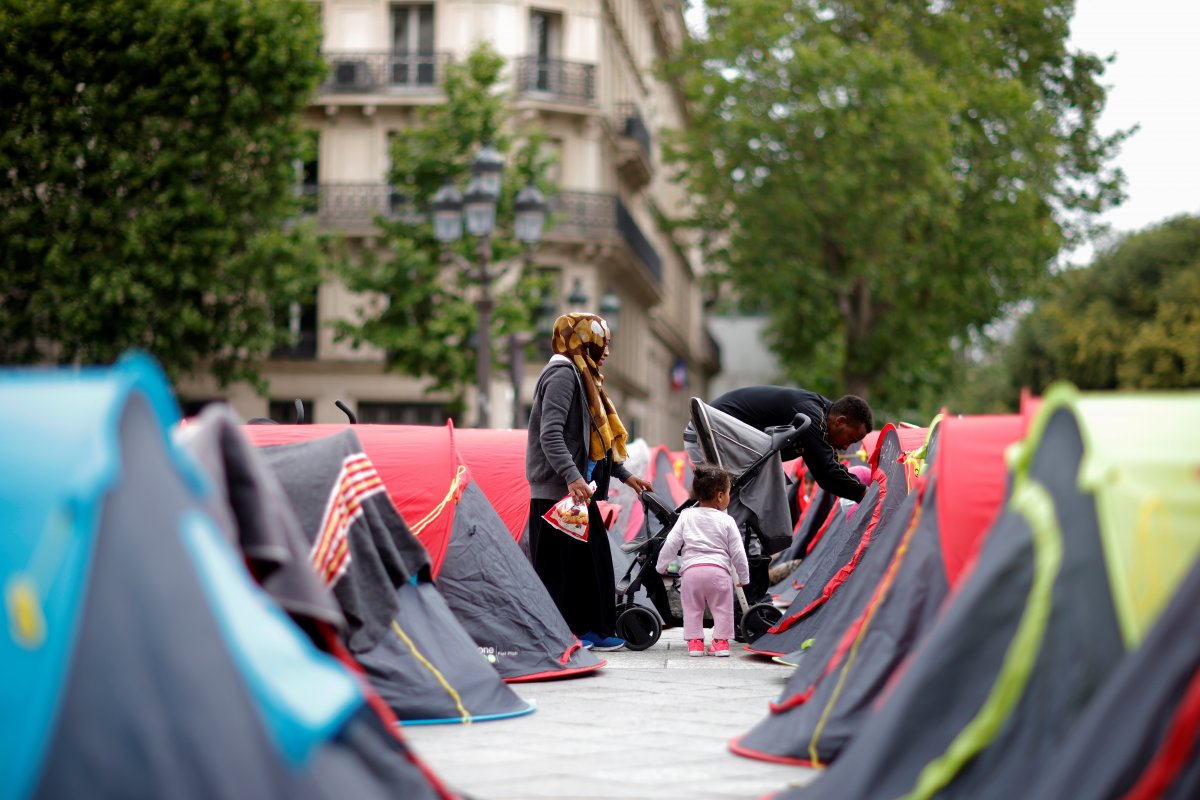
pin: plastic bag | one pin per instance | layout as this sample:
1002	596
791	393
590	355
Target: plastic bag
570	517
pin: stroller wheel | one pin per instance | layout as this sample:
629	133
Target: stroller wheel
757	620
638	627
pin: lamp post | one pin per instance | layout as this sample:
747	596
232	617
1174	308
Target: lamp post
477	209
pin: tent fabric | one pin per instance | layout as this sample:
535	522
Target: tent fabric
255	515
359	545
417	657
889	489
833	532
139	710
838	685
1150	490
481	572
790	733
1138	737
971	463
1029	637
496	459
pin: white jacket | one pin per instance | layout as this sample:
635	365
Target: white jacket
706	536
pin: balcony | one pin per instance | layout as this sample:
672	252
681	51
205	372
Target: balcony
634	146
353	207
556	81
364	72
592	215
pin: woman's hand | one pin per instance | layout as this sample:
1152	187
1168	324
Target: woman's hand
638	484
580	491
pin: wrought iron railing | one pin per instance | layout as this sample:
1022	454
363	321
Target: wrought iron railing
586	214
630	124
352	205
557	80
356	72
573	214
637	241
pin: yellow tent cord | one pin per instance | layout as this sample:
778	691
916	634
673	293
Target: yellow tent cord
437	510
466	715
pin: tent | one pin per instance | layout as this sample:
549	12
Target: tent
1138	737
139	659
1097	531
400	630
477	567
860	560
836	682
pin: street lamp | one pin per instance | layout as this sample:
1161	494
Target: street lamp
477	208
610	309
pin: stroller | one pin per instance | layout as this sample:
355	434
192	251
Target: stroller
758	504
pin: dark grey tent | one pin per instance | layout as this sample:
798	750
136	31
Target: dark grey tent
787	733
400	629
487	582
140	659
1138	738
833	689
837	566
1032	631
818	565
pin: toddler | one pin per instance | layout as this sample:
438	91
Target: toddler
712	553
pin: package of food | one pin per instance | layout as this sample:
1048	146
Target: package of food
570	517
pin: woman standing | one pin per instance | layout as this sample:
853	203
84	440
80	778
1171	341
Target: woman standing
576	437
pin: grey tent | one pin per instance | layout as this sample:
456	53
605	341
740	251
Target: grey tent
1034	629
140	659
400	629
487	582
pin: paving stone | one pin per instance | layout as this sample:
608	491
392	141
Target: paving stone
653	724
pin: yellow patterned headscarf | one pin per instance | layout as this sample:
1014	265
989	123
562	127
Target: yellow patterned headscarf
581	338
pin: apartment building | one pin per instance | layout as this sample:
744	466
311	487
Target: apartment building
583	69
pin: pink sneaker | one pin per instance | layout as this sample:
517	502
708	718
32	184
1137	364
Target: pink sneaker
695	647
719	648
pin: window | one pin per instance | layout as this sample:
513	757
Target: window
285	411
307	166
300	321
413	62
403	413
545	46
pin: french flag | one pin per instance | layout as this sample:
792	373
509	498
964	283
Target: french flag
679	376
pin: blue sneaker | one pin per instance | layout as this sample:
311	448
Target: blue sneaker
608	644
594	641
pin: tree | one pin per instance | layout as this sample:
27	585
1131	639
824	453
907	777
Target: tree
1130	320
426	325
885	177
146	148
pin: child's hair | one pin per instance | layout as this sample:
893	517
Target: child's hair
708	479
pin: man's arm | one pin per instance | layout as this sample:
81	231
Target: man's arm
822	462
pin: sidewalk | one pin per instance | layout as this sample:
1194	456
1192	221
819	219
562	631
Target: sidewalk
653	724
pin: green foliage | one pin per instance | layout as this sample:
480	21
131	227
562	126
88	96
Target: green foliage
427	324
1131	320
146	148
887	177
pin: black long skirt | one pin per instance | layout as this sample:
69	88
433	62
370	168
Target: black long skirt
578	575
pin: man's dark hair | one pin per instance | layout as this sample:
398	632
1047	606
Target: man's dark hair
853	408
708	479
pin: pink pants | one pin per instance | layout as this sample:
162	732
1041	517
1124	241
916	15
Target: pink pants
707	584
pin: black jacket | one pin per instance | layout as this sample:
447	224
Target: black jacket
765	406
